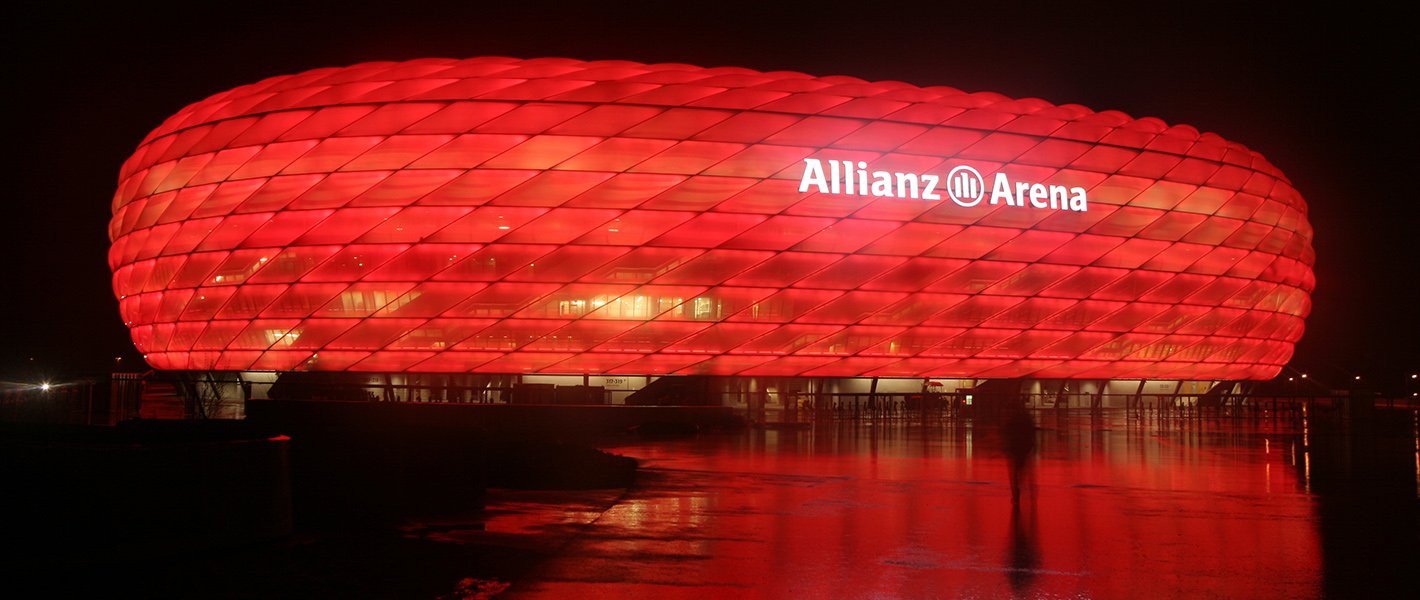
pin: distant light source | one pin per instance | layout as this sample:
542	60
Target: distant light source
44	387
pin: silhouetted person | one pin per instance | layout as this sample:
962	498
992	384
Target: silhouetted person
1018	435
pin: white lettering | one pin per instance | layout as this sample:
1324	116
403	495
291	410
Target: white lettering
1058	195
813	175
927	193
882	184
1001	190
904	178
1078	201
965	186
1037	195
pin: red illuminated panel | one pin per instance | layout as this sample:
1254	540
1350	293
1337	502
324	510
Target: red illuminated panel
558	216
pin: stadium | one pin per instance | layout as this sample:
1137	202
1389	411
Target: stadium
560	231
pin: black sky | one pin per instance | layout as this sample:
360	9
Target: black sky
1324	94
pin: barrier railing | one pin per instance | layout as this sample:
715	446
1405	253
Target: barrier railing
863	406
78	403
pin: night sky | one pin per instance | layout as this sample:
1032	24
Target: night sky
1321	94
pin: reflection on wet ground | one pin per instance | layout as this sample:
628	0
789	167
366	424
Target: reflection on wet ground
1115	508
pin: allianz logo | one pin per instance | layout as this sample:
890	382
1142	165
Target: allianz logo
964	185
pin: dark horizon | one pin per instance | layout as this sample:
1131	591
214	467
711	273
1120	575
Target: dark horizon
1319	94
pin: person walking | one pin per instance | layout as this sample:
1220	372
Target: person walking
1018	437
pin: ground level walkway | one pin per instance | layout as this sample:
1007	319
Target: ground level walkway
1118	508
1115	507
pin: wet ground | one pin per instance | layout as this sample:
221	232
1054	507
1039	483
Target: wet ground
1115	507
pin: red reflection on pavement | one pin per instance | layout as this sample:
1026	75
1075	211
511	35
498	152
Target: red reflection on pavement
906	512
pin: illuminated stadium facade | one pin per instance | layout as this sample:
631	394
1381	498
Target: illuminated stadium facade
559	218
